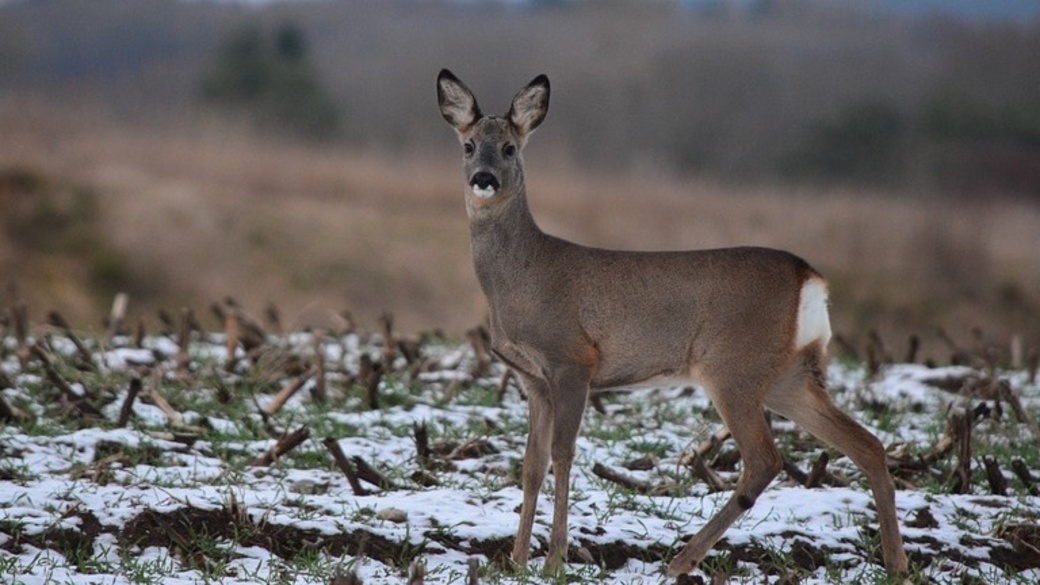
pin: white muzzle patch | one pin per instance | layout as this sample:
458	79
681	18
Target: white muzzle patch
483	192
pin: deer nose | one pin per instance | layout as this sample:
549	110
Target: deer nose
484	184
484	181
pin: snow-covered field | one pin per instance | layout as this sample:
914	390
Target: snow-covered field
82	501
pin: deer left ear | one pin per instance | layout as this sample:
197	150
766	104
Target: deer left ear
530	106
458	106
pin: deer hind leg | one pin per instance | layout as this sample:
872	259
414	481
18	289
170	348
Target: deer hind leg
536	462
805	401
745	418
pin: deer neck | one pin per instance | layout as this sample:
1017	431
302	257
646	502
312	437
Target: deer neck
504	238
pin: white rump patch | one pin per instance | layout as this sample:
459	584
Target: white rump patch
813	322
483	192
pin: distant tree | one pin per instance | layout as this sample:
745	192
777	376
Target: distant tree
273	82
240	73
865	144
290	43
978	147
950	116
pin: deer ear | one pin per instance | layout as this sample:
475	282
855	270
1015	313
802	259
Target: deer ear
530	106
458	106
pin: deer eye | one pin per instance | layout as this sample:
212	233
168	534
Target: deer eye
468	148
509	150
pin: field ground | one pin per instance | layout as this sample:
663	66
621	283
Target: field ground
168	459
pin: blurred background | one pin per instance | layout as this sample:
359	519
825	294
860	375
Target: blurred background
291	153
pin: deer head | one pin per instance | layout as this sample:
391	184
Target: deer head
491	145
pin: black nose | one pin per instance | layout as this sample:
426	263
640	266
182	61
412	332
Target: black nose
484	180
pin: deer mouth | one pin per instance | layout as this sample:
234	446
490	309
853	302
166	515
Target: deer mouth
483	192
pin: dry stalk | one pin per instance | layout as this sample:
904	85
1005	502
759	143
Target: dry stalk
1007	395
218	312
345	466
416	573
40	353
183	342
708	445
372	475
349	325
989	353
960	477
706	474
951	436
997	482
411	349
1025	476
285	394
20	316
424	478
794	472
9	413
230	340
473	571
913	346
596	400
319	393
81	404
386	323
274	318
1024	537
958	355
875	354
55	319
644	463
370	374
168	326
1017	356
117	315
991	388
422	443
452	389
819	468
285	444
604	472
140	332
97	470
251	334
472	449
153	397
128	405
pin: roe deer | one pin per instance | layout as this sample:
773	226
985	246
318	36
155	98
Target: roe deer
749	325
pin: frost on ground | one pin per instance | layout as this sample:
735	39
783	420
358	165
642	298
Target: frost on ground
175	495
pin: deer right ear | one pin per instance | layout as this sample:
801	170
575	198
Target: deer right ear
458	106
530	106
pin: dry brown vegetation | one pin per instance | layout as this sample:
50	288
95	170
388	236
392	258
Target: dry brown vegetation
667	130
189	216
